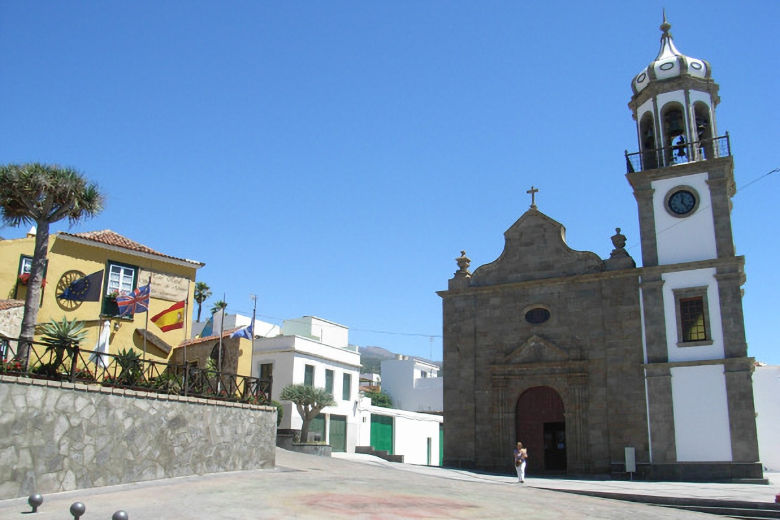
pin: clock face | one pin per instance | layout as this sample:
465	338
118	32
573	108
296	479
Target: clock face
681	202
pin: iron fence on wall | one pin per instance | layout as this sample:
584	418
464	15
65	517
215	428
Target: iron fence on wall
68	362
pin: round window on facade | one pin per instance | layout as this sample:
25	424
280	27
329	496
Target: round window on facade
537	315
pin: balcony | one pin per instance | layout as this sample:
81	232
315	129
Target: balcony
678	154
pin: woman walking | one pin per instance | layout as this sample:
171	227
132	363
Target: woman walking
521	455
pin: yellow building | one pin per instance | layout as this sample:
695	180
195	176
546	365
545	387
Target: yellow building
110	264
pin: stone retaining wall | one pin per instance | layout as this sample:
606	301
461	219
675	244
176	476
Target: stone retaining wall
57	436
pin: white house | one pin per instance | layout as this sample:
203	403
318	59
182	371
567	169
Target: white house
370	382
315	352
413	384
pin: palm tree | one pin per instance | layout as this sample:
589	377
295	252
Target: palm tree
202	293
41	194
219	305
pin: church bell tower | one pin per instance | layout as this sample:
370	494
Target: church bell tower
698	377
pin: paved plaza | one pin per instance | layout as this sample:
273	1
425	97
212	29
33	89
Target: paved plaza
364	487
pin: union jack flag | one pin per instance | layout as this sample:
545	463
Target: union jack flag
135	302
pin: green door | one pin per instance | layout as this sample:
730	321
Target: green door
338	432
382	432
441	444
317	426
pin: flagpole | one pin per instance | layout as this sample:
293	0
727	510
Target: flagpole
186	310
252	338
146	325
221	331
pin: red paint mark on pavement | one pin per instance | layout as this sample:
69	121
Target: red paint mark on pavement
387	506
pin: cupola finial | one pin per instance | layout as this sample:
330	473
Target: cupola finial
667	44
665	26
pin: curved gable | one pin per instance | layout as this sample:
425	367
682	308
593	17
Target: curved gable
535	248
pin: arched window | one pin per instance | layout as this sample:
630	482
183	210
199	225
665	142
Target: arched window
703	130
675	144
647	141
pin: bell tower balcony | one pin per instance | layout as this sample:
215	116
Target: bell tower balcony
679	153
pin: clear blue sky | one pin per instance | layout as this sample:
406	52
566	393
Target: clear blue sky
335	157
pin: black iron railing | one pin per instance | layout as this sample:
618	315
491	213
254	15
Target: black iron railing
678	154
68	362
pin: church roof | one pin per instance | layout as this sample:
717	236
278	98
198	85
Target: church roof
670	63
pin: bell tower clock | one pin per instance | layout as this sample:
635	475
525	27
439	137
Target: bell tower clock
697	373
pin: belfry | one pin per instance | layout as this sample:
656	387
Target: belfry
580	357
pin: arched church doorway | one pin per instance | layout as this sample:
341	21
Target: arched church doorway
541	427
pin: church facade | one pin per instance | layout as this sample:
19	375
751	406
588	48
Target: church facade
580	357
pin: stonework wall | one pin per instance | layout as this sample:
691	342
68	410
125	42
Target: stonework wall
589	352
11	321
58	436
585	343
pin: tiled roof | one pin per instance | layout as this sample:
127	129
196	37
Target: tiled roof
10	304
112	238
195	341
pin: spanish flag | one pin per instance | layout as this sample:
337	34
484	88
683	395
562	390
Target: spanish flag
171	318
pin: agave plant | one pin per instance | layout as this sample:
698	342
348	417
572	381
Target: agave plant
60	337
130	366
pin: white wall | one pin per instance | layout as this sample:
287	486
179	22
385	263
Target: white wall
689	238
402	382
411	432
324	331
766	389
701	417
682	280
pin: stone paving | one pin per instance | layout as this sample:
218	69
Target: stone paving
364	487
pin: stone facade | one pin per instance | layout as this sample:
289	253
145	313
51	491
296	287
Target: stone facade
581	358
62	436
585	351
588	347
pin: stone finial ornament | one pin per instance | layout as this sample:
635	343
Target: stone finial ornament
463	265
618	240
619	258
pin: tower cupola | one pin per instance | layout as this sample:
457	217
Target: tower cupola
670	63
673	103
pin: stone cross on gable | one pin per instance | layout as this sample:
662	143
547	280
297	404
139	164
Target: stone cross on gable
533	191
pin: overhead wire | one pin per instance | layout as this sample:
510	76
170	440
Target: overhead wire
741	188
438	336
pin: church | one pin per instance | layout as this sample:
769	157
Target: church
599	366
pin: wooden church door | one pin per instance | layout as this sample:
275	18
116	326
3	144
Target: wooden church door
541	427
